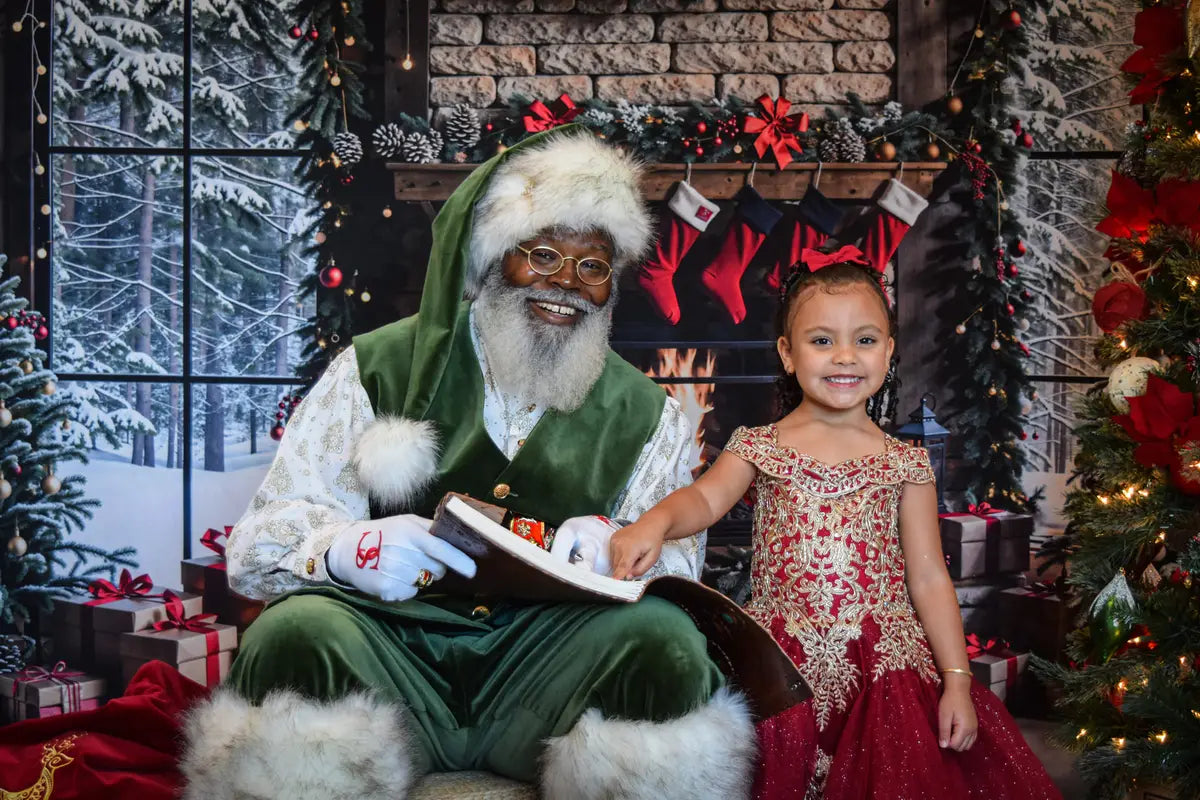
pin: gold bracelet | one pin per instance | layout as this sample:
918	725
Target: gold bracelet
956	669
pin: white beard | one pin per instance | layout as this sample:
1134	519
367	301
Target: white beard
550	365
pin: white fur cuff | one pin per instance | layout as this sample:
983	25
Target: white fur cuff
902	202
396	459
293	748
709	753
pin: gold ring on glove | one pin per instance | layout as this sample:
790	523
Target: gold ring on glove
424	578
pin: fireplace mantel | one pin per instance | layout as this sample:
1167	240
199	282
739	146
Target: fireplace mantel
855	181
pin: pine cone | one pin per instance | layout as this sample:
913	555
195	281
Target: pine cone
388	140
422	148
842	143
462	128
348	147
14	650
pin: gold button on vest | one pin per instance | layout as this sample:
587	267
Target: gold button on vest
501	491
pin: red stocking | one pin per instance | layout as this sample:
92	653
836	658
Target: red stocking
898	210
812	221
690	215
723	277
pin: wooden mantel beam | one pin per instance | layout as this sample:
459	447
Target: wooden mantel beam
432	182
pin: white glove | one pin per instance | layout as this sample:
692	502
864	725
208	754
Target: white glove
391	558
583	541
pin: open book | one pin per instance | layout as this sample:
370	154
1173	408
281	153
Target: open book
508	566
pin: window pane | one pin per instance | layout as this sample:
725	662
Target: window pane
231	450
247	266
117	261
1052	454
245	77
1074	94
134	442
118	74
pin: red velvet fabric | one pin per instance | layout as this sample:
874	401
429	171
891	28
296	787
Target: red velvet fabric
127	748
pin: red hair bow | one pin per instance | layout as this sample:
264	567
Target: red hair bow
815	259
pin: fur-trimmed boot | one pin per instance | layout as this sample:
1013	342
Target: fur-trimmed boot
708	753
294	748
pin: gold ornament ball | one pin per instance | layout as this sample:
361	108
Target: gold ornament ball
387	212
17	546
995	344
1128	379
26	366
932	151
5	489
49	388
954	105
320	237
992	391
887	151
365	296
41	70
5	417
51	484
45	209
42	119
299	125
336	80
41	252
39	170
17	27
960	329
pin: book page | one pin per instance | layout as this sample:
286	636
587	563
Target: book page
535	556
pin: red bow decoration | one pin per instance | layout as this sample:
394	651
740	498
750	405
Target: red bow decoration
776	129
127	586
977	647
1132	209
541	118
982	509
815	259
60	675
210	537
1154	420
1159	31
176	619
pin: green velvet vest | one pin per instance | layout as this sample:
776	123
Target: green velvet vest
570	465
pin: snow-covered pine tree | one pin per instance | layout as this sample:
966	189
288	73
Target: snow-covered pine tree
39	505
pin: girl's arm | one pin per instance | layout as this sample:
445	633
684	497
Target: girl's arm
933	597
684	512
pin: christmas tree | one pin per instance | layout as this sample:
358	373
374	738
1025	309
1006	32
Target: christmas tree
1131	693
39	507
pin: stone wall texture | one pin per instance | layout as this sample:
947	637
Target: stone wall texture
661	51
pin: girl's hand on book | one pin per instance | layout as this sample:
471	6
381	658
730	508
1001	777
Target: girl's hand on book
634	550
393	557
957	725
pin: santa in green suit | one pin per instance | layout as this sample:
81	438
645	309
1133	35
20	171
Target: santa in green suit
360	676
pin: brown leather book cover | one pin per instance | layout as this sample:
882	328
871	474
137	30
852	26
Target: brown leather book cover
510	567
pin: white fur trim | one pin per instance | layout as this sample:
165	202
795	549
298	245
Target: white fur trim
902	202
572	181
293	748
692	207
709	753
396	458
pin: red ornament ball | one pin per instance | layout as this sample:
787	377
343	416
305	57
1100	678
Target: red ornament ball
16	470
1028	295
1013	271
313	35
1013	20
282	406
701	127
347	180
489	126
12	323
1024	436
277	432
296	32
699	150
1016	125
1021	248
718	141
1117	303
1036	436
1027	140
330	277
1010	309
41	333
279	415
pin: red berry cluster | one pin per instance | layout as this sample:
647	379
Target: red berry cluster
297	32
979	173
28	319
286	406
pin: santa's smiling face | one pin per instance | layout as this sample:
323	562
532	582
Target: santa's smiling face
545	336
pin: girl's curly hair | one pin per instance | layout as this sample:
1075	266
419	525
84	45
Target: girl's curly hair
801	280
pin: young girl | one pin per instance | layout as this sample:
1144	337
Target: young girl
848	573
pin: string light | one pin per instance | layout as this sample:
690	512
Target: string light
407	63
1161	737
1082	733
1119	742
1103	500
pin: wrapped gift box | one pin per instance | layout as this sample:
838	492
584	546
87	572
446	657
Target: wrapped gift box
195	644
998	669
1036	619
37	692
978	601
986	543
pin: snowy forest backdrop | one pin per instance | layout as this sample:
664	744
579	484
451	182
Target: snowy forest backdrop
118	257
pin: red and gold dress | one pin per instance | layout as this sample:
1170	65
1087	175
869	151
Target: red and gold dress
828	582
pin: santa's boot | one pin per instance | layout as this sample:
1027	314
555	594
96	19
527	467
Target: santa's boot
707	754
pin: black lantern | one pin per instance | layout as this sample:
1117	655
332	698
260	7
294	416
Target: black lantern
923	430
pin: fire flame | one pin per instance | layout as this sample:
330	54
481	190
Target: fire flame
693	398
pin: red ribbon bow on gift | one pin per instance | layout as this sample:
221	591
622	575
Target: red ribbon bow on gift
976	647
210	537
541	118
776	129
815	259
127	586
58	674
176	619
981	510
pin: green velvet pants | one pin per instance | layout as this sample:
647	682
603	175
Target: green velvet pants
485	687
